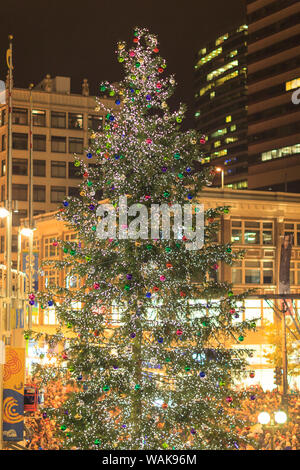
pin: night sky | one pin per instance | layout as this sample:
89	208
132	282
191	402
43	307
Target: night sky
78	39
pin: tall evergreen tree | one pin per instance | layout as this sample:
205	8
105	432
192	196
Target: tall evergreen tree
161	376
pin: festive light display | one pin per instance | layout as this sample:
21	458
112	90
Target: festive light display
162	317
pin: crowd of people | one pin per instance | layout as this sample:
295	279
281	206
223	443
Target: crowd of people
272	437
41	429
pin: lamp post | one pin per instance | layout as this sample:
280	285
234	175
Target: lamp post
27	232
272	422
3	214
220	170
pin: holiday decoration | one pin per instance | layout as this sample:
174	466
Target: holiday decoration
149	345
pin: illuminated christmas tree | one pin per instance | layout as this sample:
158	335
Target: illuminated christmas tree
151	349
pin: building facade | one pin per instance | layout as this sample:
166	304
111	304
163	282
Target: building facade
257	223
221	103
62	124
273	62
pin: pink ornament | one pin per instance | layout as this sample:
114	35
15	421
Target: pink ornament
229	399
232	311
149	141
31	296
162	278
132	53
202	140
96	285
158	85
147	197
179	332
55	243
215	267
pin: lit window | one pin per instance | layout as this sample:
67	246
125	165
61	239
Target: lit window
217	143
233	53
212	95
242	28
221	39
228	118
219	132
197	114
217	72
292	84
205	89
282	152
227	77
230	140
209	57
233	128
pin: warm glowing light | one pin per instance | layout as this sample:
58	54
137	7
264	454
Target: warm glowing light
264	418
27	232
3	212
280	417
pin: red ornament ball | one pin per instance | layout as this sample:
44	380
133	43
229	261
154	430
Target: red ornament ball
156	50
96	285
179	332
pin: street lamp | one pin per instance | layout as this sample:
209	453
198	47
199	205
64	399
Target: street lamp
220	170
275	419
3	212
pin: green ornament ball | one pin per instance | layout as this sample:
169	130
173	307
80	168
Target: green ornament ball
241	338
94	228
137	387
63	427
106	388
97	442
77	163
